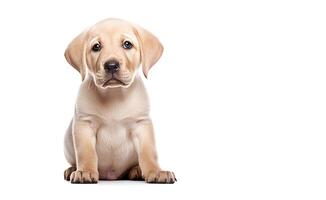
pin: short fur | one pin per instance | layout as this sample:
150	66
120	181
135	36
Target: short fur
111	134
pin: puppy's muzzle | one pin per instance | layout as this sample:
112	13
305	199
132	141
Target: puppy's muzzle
111	66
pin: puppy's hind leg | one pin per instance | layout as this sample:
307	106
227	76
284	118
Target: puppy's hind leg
69	152
135	173
68	172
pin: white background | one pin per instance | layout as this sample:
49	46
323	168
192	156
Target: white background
238	98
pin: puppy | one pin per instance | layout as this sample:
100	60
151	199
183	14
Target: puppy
111	134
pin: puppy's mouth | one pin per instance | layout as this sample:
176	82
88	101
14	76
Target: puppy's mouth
113	82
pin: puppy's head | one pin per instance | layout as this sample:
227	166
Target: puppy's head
111	51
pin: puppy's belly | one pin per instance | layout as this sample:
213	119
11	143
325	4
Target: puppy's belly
115	150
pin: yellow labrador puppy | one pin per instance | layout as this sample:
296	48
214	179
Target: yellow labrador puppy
111	134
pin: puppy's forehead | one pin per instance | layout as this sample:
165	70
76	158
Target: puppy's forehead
112	27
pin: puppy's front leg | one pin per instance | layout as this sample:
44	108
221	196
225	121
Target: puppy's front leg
147	158
84	143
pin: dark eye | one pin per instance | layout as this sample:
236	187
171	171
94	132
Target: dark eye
96	47
127	45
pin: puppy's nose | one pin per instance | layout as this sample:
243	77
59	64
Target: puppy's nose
111	66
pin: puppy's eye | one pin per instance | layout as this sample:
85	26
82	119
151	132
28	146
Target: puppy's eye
96	47
127	45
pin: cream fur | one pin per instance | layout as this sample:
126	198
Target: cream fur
111	132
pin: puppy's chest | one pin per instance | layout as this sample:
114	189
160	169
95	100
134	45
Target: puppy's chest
121	111
115	148
115	126
113	135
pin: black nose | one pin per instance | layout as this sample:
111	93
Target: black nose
111	66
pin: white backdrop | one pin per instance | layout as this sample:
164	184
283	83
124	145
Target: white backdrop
238	98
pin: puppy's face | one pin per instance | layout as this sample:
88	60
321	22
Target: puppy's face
111	52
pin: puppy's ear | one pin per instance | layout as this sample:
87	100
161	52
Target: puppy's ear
151	48
76	54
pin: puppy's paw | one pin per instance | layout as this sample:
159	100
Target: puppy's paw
160	177
68	172
135	173
84	177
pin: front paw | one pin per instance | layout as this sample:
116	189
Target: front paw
84	177
160	177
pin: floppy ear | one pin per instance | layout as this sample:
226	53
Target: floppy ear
151	48
76	54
